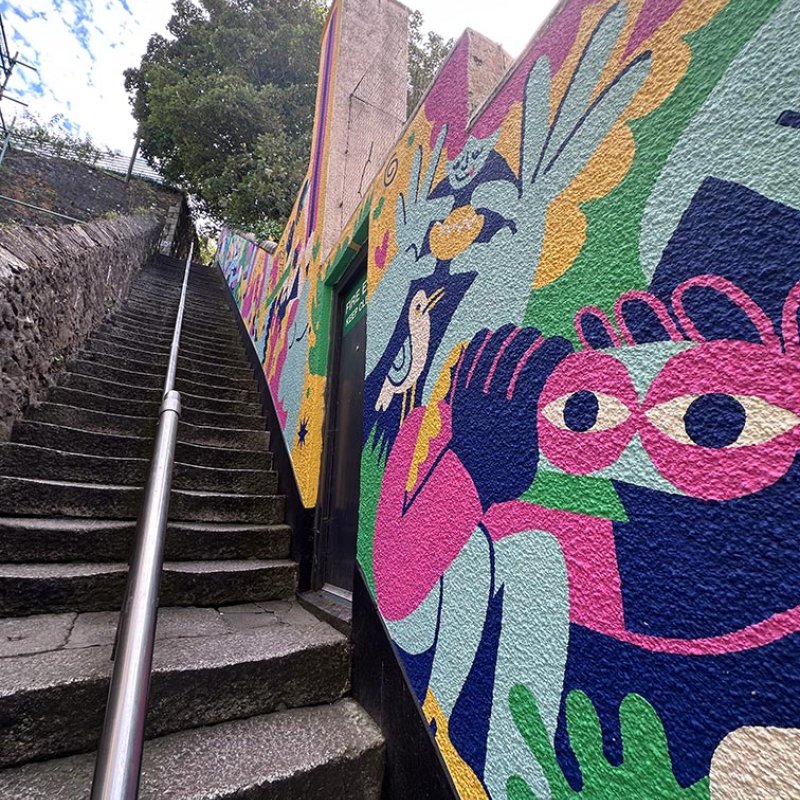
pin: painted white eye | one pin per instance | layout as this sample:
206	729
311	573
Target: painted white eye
586	412
719	420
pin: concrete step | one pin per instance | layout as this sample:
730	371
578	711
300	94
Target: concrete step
236	415
136	333
251	437
108	332
47	588
166	314
209	667
160	356
28	461
201	333
26	540
52	498
76	440
194	383
124	391
192	370
331	752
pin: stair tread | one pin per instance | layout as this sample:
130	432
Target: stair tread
50	451
46	570
73	524
50	425
228	759
128	487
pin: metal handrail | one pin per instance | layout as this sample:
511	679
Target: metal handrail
119	757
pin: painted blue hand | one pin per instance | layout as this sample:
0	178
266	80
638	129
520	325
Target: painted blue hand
496	388
552	153
416	210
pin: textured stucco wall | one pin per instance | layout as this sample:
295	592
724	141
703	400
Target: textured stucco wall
579	483
56	285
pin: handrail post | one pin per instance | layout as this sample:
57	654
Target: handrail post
119	756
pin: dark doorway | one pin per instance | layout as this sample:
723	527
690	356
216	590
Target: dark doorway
342	476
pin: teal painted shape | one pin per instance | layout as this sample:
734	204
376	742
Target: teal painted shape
465	602
532	651
735	135
293	375
550	159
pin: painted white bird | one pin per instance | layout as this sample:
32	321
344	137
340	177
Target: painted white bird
410	360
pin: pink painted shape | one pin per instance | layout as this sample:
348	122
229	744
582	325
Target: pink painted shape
655	305
414	548
448	101
652	16
791	340
381	251
752	310
503	347
595	597
555	42
761	633
725	367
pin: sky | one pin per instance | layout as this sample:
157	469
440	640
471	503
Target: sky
82	47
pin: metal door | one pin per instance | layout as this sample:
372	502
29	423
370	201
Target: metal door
343	442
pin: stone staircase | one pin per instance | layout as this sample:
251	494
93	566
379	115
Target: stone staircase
248	693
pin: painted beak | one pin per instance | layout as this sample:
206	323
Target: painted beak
434	298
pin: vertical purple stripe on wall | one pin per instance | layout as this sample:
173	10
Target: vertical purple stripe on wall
322	125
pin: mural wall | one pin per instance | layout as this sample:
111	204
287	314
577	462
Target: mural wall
580	485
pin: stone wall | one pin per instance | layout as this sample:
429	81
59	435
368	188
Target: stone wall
56	285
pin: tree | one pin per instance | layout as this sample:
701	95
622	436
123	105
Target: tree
225	107
426	53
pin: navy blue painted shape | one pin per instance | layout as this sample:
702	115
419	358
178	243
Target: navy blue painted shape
469	722
580	411
734	232
715	420
418	668
594	333
643	323
789	119
496	438
700	699
693	568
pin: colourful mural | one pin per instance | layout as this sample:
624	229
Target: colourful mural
580	481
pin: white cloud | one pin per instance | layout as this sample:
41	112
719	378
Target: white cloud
81	48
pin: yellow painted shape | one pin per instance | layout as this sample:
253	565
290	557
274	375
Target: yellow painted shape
509	138
421	128
464	779
308	457
565	235
432	421
453	236
565	229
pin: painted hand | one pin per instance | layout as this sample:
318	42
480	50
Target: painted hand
496	389
554	152
416	211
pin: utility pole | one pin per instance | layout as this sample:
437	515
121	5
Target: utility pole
133	159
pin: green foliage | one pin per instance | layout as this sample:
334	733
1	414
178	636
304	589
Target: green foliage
54	138
426	53
225	108
646	768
